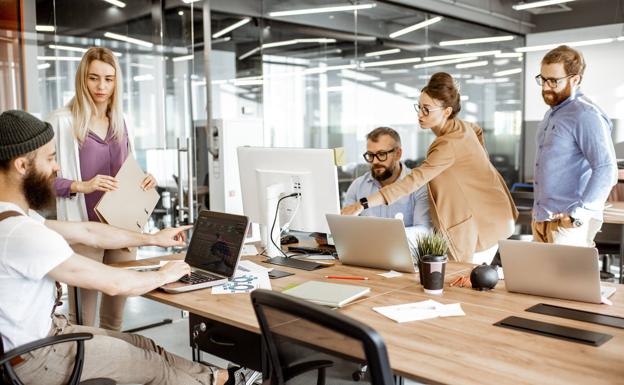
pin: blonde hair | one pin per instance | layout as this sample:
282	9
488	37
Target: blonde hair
82	105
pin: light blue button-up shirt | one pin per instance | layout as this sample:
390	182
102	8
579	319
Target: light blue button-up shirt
575	166
413	208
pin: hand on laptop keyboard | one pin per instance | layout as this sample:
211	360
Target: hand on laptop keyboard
174	270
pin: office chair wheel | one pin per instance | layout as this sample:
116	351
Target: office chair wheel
359	374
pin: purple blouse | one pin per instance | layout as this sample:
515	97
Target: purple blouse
97	157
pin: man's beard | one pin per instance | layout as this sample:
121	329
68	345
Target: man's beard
387	173
553	98
38	189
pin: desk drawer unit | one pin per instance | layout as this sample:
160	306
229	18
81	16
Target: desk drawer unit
228	342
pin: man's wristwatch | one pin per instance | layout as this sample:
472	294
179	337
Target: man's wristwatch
575	221
364	202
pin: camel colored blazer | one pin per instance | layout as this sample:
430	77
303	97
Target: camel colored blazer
469	201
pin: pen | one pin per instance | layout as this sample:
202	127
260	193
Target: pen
346	277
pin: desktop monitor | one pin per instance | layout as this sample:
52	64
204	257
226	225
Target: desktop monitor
268	174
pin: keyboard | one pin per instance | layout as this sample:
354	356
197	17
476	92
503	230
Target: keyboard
198	277
294	263
326	250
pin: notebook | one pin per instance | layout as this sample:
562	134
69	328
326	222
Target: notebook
214	251
327	294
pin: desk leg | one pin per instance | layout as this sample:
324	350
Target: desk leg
621	262
398	380
77	305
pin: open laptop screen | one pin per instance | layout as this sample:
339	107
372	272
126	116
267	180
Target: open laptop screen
216	242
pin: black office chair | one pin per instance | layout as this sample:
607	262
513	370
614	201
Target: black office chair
9	377
322	340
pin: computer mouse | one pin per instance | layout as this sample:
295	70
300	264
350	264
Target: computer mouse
289	239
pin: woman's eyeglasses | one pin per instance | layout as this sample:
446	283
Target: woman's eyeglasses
426	110
380	155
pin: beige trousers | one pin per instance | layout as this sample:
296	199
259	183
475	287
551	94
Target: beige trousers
562	233
122	357
111	308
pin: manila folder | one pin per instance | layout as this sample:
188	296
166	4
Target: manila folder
129	207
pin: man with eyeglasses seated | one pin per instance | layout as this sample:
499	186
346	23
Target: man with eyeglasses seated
575	166
383	153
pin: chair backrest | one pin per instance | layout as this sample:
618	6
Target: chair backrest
293	328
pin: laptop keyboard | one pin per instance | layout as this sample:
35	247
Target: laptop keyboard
199	277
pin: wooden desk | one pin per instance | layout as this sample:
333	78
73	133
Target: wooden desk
615	214
467	350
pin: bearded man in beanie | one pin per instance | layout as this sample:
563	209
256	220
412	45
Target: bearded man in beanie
35	255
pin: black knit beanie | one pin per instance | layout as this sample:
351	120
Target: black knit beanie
21	133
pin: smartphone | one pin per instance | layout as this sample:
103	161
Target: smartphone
275	274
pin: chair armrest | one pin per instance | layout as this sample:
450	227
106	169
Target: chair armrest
297	369
20	350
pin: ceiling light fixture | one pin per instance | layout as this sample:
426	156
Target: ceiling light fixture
460	55
127	39
74	49
142	78
580	43
45	28
508	54
183	58
60	58
487	81
537	4
512	71
478	40
43	66
285	43
232	27
444	62
620	38
480	63
309	11
390	62
415	27
384	52
117	3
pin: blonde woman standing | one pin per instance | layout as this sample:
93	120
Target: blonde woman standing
468	199
92	143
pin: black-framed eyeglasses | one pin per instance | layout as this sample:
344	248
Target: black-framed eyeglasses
380	155
425	110
552	82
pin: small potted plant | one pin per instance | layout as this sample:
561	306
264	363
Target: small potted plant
429	244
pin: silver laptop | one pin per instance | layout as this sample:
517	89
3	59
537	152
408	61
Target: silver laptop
380	243
214	251
549	270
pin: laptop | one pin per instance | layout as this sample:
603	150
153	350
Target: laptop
214	251
550	270
380	243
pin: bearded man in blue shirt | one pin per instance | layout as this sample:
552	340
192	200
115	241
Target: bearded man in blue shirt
575	166
383	153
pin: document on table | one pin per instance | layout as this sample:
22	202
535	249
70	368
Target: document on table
420	311
249	276
249	250
390	274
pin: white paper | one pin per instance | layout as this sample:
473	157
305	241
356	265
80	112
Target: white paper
391	274
249	250
244	282
147	267
420	311
320	257
247	266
